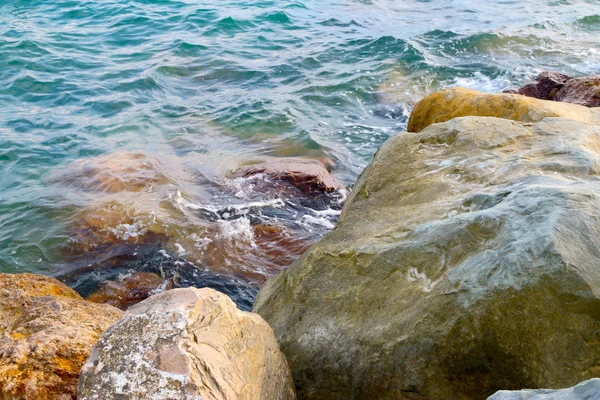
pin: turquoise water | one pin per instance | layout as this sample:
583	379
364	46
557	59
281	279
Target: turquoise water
222	79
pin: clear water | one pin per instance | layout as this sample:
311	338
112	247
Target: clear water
225	79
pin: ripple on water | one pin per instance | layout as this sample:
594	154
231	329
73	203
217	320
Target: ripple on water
219	81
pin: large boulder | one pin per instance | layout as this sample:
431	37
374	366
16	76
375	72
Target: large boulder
588	390
465	261
46	333
187	344
458	102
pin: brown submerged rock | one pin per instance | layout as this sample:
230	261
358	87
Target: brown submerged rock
187	344
46	333
310	176
130	290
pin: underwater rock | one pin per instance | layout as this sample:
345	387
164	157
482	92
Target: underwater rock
310	176
457	102
587	390
130	290
187	344
46	333
464	262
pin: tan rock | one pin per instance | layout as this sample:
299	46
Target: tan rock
187	344
47	332
465	261
457	102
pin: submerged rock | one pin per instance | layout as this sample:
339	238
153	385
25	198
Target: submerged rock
464	262
46	333
187	344
588	390
458	102
130	290
555	86
310	176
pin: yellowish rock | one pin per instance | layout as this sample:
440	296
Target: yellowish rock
46	332
451	103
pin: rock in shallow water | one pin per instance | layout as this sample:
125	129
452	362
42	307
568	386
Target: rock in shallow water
588	390
187	344
464	262
47	331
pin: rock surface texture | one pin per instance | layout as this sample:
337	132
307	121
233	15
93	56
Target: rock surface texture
458	102
187	344
588	390
555	86
465	261
46	333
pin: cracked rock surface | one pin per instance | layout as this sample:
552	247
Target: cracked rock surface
465	261
187	344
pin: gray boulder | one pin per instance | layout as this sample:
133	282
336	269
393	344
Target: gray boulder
466	260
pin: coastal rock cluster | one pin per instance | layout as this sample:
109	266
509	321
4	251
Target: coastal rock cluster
464	265
464	262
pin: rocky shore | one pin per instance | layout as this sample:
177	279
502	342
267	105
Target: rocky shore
465	265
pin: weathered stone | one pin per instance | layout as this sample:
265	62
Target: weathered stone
187	344
588	390
307	175
457	102
584	91
130	290
465	261
47	332
546	86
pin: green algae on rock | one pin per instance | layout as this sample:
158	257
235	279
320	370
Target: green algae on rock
46	333
464	262
187	344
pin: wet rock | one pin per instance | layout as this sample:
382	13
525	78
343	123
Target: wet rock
187	344
465	261
546	86
584	91
587	390
47	332
457	102
310	176
555	86
130	290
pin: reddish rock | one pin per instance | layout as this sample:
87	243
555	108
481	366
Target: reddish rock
130	290
555	86
307	175
584	91
545	87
